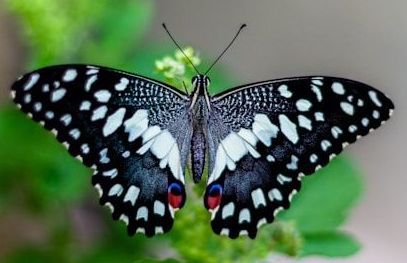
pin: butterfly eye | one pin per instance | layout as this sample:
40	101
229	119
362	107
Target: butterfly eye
175	197
214	196
207	81
194	80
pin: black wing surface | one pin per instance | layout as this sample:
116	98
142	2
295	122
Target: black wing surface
133	131
264	137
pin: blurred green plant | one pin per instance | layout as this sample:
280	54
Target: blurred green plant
39	177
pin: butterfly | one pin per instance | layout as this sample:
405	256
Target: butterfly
257	140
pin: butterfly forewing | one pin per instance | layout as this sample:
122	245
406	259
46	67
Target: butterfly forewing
266	136
131	130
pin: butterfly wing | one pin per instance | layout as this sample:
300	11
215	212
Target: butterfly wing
265	136
131	130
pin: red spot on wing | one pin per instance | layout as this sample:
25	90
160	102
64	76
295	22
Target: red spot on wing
174	200
213	201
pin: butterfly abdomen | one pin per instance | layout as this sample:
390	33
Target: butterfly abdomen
198	142
198	148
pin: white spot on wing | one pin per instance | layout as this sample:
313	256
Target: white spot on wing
288	128
103	156
32	81
110	173
283	89
325	144
110	206
116	189
365	122
89	82
132	194
313	158
103	95
99	113
159	230
317	92
228	210
150	133
258	198
244	216
376	114
338	88
275	194
37	106
248	136
58	94
234	146
75	133
264	129
220	164
336	131
243	233
85	105
283	179
319	116
49	115
122	85
347	108
175	163
374	98
113	122
159	208
162	144
27	98
261	222
137	124
224	232
304	122
303	105
99	189
317	81
352	128
92	70
270	158
70	75
85	148
142	213
45	88
293	165
126	154
277	210
140	230
146	146
124	218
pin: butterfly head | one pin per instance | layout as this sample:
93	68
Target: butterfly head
201	82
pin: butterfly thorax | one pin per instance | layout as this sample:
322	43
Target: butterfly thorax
200	106
201	84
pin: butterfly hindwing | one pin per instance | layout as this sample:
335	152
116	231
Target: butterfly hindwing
265	136
126	127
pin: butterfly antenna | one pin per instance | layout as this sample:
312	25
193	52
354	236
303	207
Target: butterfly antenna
178	46
226	49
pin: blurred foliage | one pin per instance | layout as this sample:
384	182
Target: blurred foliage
38	177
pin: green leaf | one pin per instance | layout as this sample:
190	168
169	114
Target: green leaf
326	198
332	244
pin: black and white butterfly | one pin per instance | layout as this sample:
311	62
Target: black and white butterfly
137	133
